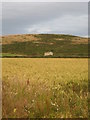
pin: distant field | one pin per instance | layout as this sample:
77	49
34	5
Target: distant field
45	88
35	45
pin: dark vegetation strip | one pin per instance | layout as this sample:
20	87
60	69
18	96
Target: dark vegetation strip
45	119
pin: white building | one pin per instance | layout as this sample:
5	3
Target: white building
48	54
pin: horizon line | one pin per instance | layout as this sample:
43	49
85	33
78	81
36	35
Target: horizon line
1	35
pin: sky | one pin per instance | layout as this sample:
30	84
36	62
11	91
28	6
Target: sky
45	17
45	0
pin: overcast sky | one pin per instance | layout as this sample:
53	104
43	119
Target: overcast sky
45	0
45	17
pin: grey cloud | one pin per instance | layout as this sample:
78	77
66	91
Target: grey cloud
23	17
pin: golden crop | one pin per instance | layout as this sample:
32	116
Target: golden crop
45	87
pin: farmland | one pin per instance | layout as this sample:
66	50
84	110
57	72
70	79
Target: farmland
45	88
35	45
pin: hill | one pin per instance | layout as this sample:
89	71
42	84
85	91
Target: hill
36	45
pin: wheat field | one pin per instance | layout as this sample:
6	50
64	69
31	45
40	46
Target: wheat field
44	88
